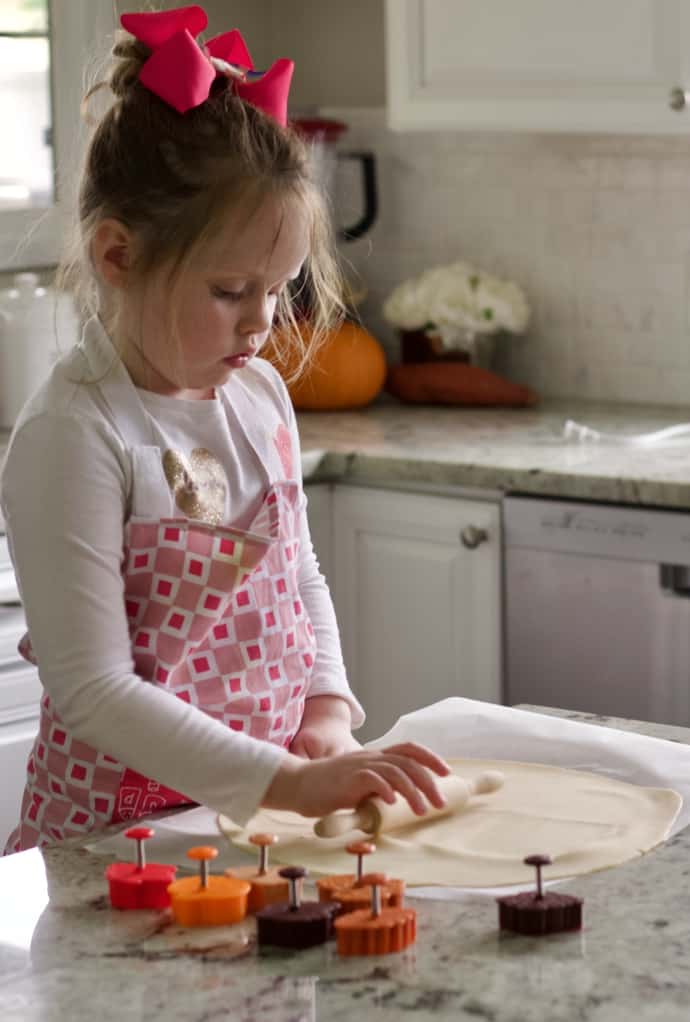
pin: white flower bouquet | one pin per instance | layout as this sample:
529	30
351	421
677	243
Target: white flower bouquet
457	305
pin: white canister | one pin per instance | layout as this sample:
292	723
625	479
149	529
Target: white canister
37	325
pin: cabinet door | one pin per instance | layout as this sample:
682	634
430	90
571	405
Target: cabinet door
537	65
15	744
419	610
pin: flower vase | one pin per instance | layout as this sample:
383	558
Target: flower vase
483	351
418	346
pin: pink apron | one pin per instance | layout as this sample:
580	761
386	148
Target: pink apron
215	618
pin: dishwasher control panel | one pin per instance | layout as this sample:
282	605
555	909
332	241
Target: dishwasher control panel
639	534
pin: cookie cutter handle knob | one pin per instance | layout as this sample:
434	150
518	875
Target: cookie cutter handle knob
203	854
140	834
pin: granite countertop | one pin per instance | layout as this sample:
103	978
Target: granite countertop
518	450
65	955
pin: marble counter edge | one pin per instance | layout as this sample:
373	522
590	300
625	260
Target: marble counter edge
475	463
359	467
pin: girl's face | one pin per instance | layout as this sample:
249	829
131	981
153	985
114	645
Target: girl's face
225	305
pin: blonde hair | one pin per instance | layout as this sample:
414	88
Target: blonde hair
171	179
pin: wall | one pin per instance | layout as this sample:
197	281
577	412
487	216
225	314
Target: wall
250	16
595	228
337	46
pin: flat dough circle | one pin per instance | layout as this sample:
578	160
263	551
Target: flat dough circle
584	821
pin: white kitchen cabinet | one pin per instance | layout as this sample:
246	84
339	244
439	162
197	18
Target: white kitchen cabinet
537	65
418	597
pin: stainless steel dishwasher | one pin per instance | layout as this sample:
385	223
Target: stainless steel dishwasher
597	613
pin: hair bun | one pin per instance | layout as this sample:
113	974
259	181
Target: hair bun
131	56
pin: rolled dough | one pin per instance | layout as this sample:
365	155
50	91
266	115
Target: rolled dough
584	821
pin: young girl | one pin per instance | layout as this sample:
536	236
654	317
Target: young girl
185	638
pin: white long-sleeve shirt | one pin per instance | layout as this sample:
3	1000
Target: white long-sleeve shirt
66	494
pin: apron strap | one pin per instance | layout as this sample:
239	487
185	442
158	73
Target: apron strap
115	383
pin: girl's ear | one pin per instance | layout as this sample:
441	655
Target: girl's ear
112	251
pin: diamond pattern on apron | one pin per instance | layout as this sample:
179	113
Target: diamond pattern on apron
216	619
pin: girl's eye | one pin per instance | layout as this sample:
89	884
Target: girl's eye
219	292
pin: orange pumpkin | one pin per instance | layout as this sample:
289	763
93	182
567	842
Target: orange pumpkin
347	371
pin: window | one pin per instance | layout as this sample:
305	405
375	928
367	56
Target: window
45	47
26	170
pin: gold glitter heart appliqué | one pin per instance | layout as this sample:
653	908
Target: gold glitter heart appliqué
197	484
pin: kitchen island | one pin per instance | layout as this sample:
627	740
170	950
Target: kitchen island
65	955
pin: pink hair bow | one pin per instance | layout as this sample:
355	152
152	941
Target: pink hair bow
181	73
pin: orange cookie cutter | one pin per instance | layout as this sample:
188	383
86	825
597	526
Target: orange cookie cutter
206	900
376	930
349	888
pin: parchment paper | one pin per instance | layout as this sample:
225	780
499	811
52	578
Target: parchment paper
470	729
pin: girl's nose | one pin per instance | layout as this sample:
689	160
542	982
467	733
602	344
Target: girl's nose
257	315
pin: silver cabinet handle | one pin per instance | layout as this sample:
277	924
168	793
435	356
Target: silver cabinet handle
678	98
471	537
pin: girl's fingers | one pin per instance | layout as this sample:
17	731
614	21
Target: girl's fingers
407	770
370	783
421	778
422	755
400	780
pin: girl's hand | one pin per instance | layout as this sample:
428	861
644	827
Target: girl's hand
320	786
329	739
325	729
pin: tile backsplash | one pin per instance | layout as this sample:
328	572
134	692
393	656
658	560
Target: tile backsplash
596	229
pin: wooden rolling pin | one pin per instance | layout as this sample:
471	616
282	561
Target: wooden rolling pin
374	815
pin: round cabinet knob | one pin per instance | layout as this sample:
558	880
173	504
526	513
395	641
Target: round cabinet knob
471	537
678	98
